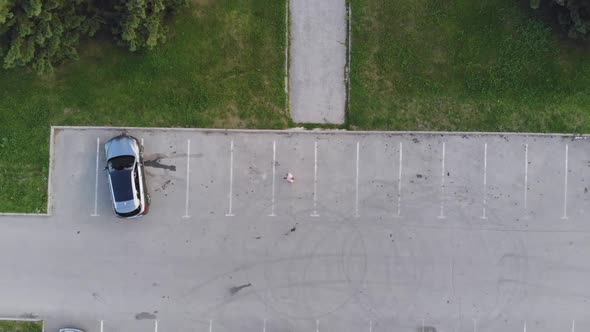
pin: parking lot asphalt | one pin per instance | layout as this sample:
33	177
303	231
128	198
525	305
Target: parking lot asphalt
379	232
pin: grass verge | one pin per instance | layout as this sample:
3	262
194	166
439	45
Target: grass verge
20	326
464	66
223	66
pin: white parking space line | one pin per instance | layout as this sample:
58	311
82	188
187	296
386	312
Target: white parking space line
101	326
231	179
442	183
573	325
188	173
485	179
524	329
370	326
274	172
315	181
264	325
95	213
399	182
423	325
526	177
210	325
474	325
357	181
565	184
317	325
156	325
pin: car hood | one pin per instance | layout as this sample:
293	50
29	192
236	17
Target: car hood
121	146
127	206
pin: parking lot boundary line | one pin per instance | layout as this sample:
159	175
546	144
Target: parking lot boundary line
573	325
264	325
291	131
95	213
188	169
566	170
442	183
23	214
315	180
210	325
524	329
357	180
155	325
399	181
231	178
101	325
317	325
274	169
526	176
485	180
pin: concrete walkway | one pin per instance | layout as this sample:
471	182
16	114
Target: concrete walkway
318	60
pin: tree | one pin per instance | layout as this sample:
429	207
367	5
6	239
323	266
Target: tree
572	15
42	33
140	24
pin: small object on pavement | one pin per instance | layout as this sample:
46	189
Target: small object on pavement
289	177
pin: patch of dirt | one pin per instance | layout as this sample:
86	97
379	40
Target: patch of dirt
71	111
203	2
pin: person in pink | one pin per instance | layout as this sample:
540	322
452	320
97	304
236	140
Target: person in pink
289	177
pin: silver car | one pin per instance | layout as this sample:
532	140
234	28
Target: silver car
124	157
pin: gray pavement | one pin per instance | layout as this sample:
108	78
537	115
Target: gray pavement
318	60
379	232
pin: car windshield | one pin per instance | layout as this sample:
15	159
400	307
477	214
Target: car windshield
121	163
122	185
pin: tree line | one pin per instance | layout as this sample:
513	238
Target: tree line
44	33
572	15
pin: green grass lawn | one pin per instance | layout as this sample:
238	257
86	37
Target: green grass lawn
223	66
19	326
464	65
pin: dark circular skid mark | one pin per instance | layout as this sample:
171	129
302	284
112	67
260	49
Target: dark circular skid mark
315	271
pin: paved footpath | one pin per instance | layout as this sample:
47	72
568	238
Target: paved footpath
318	60
379	232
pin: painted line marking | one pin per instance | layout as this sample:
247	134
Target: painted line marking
524	329
370	326
566	170
264	326
442	183
188	169
526	176
317	325
231	179
274	172
210	325
315	181
101	325
573	326
423	326
485	179
156	325
142	141
474	325
399	180
357	180
95	213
